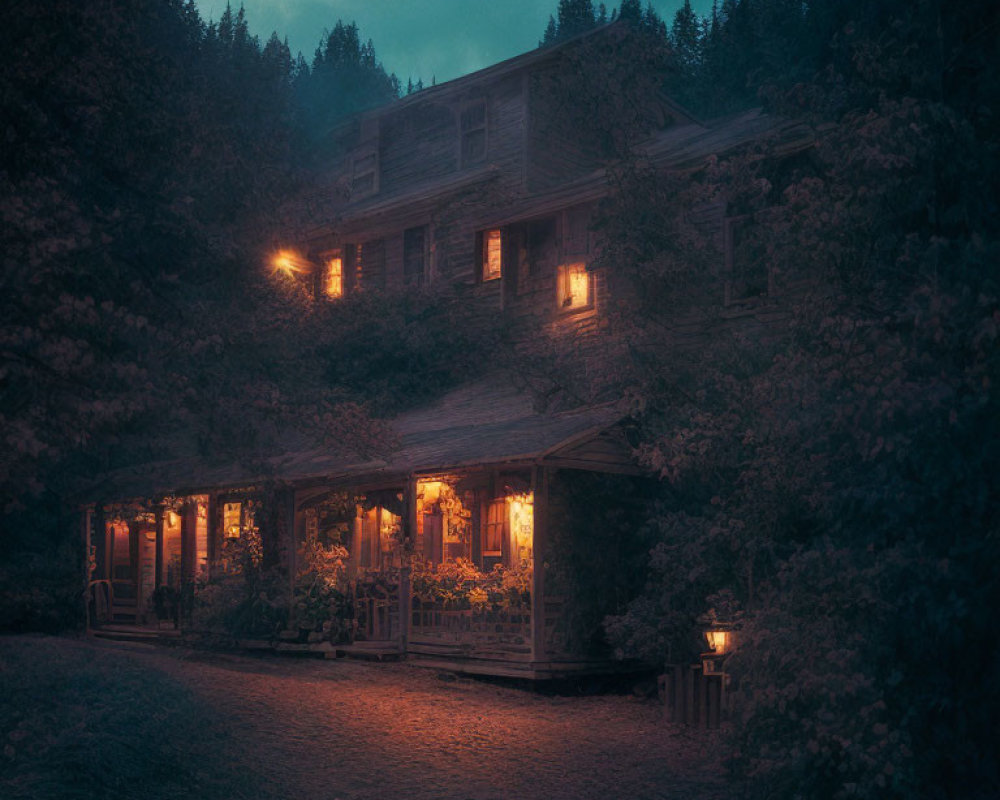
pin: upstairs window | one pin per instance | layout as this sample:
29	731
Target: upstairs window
414	255
542	246
573	286
490	254
333	277
472	130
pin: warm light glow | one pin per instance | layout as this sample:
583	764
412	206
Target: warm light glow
334	283
288	262
574	286
718	641
429	491
492	251
231	520
171	519
521	508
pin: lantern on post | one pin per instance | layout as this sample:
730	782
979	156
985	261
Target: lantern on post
720	645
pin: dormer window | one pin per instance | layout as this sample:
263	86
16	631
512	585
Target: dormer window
472	130
364	171
490	254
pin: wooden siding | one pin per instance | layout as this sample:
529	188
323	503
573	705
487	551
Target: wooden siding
416	144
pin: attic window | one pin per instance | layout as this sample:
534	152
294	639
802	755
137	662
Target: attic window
364	171
333	277
491	254
573	287
472	129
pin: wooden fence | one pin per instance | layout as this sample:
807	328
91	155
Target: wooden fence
692	697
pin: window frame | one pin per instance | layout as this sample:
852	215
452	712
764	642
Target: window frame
562	289
494	521
327	275
464	162
411	277
483	239
365	151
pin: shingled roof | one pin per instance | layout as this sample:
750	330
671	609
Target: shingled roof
487	423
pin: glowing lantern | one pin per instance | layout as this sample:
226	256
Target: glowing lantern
289	263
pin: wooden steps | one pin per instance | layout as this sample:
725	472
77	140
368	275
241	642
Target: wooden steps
137	633
124	610
368	651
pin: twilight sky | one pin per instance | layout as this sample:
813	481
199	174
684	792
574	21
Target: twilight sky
417	38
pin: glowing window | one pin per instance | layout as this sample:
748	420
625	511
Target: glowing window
493	530
573	286
333	283
201	537
492	254
231	520
521	516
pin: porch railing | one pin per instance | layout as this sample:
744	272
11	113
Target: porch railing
434	619
100	599
376	610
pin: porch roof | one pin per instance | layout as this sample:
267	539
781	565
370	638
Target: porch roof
487	423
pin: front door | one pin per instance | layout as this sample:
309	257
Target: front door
124	570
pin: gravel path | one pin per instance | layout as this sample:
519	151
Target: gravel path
320	730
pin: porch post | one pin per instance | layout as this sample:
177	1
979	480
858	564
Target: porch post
294	520
159	546
104	540
212	533
86	520
189	561
540	487
189	521
409	539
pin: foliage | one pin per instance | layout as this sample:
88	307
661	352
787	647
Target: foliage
597	95
320	585
138	197
459	584
834	474
595	561
243	599
79	721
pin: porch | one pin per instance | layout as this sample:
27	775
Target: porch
448	553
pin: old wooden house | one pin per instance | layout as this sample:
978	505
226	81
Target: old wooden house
482	541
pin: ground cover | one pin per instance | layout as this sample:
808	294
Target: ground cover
85	719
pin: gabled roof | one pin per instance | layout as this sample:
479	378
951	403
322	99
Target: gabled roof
487	423
542	53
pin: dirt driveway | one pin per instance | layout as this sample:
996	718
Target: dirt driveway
320	730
